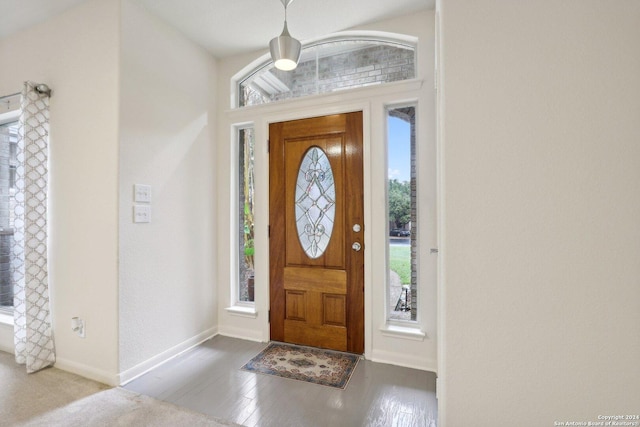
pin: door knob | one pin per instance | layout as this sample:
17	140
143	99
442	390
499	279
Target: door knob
356	246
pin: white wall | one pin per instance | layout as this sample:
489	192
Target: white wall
76	54
167	122
6	333
382	347
541	131
396	349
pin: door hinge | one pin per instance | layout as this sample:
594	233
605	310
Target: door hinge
268	231
269	316
268	145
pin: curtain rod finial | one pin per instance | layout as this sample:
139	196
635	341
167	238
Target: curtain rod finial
43	89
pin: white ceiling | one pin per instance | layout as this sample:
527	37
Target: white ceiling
18	14
230	27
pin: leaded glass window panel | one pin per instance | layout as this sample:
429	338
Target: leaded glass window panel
315	202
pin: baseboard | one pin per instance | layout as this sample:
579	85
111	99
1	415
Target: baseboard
6	338
7	344
6	348
404	360
165	356
86	371
241	333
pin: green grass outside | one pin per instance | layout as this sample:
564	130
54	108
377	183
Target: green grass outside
400	262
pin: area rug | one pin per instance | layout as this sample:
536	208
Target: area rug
120	407
313	365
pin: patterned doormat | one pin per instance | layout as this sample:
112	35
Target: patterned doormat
313	365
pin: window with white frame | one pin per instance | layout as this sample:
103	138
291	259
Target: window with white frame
328	66
8	163
402	212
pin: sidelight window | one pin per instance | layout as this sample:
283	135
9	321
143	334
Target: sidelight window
402	214
246	254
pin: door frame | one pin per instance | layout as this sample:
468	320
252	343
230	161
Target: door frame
355	327
319	111
251	322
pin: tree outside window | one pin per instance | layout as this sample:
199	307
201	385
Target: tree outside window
246	208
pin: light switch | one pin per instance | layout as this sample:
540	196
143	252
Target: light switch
141	213
142	193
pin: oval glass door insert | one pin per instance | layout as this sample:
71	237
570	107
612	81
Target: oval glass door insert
315	202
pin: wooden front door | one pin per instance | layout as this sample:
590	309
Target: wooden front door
316	229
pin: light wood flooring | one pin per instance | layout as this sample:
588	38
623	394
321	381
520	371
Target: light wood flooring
208	379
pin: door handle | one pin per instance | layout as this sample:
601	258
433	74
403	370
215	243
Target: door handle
356	246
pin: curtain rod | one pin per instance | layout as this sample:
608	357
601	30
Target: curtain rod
10	96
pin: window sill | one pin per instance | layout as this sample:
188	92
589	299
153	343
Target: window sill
6	319
404	332
242	311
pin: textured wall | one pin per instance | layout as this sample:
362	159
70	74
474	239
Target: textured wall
77	56
167	119
541	169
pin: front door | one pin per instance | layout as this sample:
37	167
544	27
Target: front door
316	229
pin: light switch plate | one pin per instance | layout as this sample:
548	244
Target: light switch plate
141	213
142	193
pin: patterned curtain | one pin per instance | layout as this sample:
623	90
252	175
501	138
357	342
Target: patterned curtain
32	324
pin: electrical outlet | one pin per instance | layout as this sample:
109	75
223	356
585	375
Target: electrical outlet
77	326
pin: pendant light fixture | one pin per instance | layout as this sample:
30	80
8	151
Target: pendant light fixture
285	50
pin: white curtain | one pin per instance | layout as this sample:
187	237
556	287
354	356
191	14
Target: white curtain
32	321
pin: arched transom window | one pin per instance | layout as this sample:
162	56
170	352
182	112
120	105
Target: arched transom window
329	65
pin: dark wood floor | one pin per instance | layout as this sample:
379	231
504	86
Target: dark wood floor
208	379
